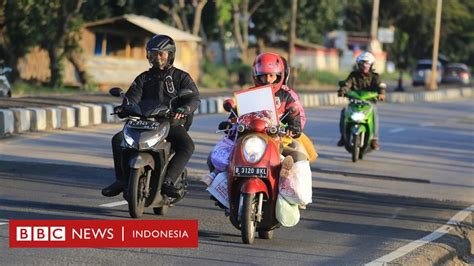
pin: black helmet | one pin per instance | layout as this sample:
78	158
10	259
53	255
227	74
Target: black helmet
160	43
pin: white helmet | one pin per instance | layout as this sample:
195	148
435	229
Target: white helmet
365	57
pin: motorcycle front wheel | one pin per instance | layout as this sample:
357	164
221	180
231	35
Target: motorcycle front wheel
356	148
137	189
247	218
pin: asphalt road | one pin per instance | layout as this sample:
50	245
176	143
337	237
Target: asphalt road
421	177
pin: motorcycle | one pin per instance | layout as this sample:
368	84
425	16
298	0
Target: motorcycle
358	128
146	154
5	88
253	173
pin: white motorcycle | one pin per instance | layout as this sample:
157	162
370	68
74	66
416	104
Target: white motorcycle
5	88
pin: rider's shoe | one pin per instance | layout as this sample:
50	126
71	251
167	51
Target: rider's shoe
114	189
171	191
341	142
375	144
286	166
217	202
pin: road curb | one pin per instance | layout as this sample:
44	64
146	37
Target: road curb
454	248
86	114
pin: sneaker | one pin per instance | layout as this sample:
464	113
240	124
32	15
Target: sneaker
286	166
171	191
341	142
114	189
375	145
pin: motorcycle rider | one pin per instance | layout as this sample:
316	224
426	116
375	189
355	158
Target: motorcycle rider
151	85
269	69
363	78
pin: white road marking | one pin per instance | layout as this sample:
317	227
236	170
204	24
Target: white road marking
456	219
396	130
427	124
114	204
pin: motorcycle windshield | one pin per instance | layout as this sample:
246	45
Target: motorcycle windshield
147	108
362	95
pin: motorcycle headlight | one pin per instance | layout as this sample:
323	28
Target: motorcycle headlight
128	139
358	116
156	138
254	147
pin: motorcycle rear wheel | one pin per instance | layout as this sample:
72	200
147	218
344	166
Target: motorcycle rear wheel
136	189
247	218
356	148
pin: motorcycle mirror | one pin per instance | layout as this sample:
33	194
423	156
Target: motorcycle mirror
229	105
293	110
185	93
116	91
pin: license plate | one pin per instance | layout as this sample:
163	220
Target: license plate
245	171
149	125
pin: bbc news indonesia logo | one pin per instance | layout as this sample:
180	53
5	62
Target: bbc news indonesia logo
103	233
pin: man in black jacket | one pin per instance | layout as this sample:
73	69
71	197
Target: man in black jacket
161	83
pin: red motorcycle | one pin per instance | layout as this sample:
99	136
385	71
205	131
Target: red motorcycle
253	173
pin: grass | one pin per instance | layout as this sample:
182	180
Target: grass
22	88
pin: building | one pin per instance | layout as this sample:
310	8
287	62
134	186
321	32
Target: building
114	52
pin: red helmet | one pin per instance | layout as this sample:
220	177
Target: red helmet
269	63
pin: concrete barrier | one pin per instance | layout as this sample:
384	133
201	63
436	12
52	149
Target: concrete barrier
203	106
22	118
7	123
95	113
53	118
38	119
82	115
211	105
107	109
16	120
68	117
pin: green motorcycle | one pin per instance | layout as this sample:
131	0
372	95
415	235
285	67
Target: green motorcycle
358	129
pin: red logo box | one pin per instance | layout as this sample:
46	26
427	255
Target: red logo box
103	233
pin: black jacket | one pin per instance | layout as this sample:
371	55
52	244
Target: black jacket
150	85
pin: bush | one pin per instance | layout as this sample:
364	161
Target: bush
214	75
318	77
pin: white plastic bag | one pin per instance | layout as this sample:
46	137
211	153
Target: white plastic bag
220	155
298	187
287	214
218	189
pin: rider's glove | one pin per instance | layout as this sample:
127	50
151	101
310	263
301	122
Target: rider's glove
120	111
342	91
224	125
294	131
184	110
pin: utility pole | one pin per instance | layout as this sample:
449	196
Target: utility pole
375	20
433	85
292	39
375	47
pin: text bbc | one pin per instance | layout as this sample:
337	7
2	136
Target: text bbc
41	233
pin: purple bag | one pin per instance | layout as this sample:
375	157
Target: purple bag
221	154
